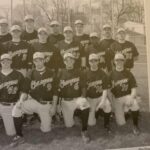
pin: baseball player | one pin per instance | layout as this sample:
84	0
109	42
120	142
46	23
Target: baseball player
96	92
124	92
105	43
29	34
55	36
125	47
4	34
69	45
94	47
50	52
20	51
71	87
41	98
11	86
80	36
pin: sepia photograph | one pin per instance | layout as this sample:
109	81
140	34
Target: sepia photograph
74	75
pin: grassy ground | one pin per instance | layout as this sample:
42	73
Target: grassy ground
61	138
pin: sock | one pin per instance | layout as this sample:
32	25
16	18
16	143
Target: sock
18	121
135	117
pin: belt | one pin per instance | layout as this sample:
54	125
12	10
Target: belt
69	99
7	103
45	102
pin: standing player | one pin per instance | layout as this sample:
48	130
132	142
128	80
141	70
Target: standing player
105	44
96	92
11	86
124	92
4	34
80	36
19	50
29	34
55	36
50	52
71	46
41	99
94	47
71	88
125	47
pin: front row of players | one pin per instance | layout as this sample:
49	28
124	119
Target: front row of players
88	92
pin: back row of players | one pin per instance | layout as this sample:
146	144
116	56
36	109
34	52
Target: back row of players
71	83
22	45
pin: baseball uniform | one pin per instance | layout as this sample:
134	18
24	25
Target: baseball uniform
5	38
29	37
70	84
55	38
128	49
41	91
51	53
74	48
122	82
82	39
96	82
11	86
21	53
97	49
105	46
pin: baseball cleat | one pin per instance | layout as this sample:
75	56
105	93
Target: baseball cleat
136	131
108	130
85	137
17	141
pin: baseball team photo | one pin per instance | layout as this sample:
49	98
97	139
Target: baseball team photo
74	75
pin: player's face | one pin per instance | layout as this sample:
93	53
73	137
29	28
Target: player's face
94	63
42	36
3	28
121	35
119	63
69	62
29	23
94	40
79	28
55	29
16	33
39	63
107	32
68	35
6	63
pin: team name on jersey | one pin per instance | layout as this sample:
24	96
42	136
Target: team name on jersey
126	50
19	52
70	50
84	42
35	84
120	82
70	82
48	53
8	84
94	84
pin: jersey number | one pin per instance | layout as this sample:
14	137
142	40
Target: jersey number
124	87
12	90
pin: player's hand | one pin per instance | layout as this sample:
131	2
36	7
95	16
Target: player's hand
129	101
100	105
53	111
19	104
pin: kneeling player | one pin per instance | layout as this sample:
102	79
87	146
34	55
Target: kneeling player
11	86
41	98
124	92
71	86
96	92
